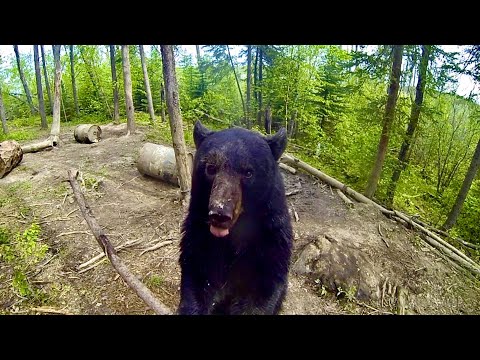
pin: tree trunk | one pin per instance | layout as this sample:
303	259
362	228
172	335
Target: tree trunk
255	75
462	195
45	75
3	115
24	82
38	78
387	121
404	155
127	84
259	91
146	82
173	106
268	120
249	83
10	156
74	85
238	83
197	48
116	105
55	131
162	100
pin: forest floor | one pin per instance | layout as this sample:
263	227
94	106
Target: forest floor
347	260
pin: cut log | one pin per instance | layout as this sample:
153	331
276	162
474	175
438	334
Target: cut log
158	161
87	133
11	155
29	148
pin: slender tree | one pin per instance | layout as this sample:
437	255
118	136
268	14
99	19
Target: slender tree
175	115
162	101
38	77
387	120
74	85
146	82
127	84
2	113
55	130
462	195
249	83
238	83
259	84
116	105
45	75
404	155
24	82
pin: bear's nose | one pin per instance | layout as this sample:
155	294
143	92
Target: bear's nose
218	216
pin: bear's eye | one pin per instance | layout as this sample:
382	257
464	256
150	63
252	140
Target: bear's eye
248	174
211	169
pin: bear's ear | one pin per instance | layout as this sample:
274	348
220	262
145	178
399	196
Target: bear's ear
277	143
200	132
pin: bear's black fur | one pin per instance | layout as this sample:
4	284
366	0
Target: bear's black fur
237	235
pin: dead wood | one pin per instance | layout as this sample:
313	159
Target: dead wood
156	246
141	290
293	192
401	300
453	253
288	168
345	199
11	155
42	145
101	255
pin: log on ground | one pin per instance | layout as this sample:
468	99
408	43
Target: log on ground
87	133
11	155
45	144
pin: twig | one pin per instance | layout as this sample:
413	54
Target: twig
293	192
101	255
382	237
72	232
156	246
401	295
71	212
287	168
345	199
50	311
295	215
94	265
126	182
64	198
141	290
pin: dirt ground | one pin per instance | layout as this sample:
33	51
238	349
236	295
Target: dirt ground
347	260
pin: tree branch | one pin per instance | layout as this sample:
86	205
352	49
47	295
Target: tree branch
142	291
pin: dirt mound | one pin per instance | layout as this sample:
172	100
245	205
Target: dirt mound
346	260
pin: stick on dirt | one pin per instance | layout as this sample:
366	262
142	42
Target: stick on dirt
141	290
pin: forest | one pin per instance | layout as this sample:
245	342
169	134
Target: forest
386	120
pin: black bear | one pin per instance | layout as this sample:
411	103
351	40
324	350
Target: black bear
237	235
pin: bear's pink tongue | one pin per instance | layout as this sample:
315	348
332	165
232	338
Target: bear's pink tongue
218	232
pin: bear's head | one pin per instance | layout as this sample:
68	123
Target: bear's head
233	173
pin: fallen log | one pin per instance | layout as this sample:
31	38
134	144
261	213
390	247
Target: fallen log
290	169
141	290
452	252
158	161
87	133
11	155
46	144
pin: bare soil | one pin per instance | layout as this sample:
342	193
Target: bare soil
347	260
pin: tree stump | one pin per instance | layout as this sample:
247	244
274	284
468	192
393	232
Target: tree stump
87	133
158	161
11	155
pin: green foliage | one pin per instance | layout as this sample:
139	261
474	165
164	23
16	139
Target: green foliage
331	100
22	251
